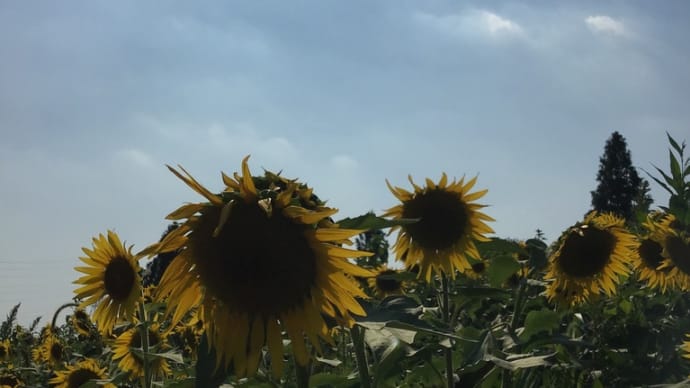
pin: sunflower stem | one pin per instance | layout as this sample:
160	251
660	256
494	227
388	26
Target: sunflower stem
517	310
445	291
144	328
357	334
57	312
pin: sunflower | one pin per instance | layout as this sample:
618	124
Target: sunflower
260	258
4	350
10	380
685	347
676	252
477	269
650	256
589	260
81	322
131	361
77	375
51	350
448	223
188	335
112	281
383	283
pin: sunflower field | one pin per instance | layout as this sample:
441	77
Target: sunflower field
262	285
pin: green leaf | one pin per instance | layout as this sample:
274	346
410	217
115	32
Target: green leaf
334	363
481	292
539	321
675	169
329	380
501	268
674	144
522	361
499	245
185	383
371	221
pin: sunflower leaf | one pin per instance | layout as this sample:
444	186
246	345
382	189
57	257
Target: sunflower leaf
501	268
539	321
371	221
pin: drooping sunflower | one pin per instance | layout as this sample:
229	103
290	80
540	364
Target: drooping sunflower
112	281
676	252
51	350
81	322
77	375
130	361
449	221
4	350
383	284
589	260
649	257
259	258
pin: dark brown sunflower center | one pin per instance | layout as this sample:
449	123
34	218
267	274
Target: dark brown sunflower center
443	218
650	253
679	252
80	377
154	339
258	264
479	267
56	352
586	253
386	283
3	351
119	278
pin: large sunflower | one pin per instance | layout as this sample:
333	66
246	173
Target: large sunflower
4	350
133	363
589	260
259	258
676	252
383	283
649	257
77	375
448	223
112	281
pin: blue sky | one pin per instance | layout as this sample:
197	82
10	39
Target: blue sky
96	97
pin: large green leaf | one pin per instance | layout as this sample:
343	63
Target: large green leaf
540	321
501	268
499	245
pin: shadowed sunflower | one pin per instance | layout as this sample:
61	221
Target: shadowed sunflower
112	281
384	283
259	258
477	269
77	375
589	260
129	343
676	253
81	322
187	335
10	380
4	350
649	257
448	223
51	350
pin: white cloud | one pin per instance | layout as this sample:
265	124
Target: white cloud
605	24
135	156
472	22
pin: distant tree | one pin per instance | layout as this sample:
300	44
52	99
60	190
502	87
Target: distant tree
156	267
619	186
372	241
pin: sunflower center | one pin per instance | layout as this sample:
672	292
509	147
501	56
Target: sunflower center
80	377
586	253
679	252
650	253
154	339
3	351
442	217
119	278
386	283
56	351
258	264
478	268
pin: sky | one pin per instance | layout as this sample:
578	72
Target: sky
96	97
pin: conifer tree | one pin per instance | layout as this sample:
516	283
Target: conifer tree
620	186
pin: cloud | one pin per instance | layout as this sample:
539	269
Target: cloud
136	157
472	22
605	24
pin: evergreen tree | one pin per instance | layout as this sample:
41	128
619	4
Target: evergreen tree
620	190
156	267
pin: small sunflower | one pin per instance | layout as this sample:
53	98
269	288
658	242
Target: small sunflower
133	363
4	350
384	284
112	281
449	221
187	335
51	350
590	258
81	322
649	257
676	252
477	269
259	259
77	375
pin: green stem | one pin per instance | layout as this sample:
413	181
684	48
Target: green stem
517	309
357	334
302	375
57	312
445	290
144	334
